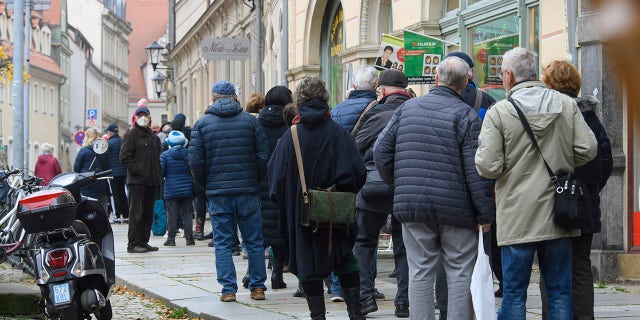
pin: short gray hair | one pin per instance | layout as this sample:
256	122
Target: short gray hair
311	88
364	77
453	72
522	63
47	148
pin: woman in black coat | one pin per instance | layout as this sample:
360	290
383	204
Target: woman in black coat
329	157
273	126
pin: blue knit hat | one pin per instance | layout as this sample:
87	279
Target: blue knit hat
224	87
176	138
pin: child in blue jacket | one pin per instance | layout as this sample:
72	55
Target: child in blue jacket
178	187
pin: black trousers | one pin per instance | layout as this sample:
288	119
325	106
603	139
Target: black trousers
120	197
141	198
369	225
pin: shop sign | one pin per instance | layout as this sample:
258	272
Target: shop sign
488	57
391	54
225	48
422	56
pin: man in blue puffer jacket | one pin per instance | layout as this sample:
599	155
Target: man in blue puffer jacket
178	187
228	154
364	83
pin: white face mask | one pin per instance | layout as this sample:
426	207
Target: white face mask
142	121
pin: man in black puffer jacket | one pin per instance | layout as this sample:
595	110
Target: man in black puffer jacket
427	152
372	209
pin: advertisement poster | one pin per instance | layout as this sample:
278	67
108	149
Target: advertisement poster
487	57
391	54
422	55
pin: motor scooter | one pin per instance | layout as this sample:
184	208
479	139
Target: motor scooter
74	249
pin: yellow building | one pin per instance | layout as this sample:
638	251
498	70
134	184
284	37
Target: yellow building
328	38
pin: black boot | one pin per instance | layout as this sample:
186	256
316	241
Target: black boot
245	280
316	307
354	306
277	282
443	314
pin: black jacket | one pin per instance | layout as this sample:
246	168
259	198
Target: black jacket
140	155
377	118
330	158
115	142
427	152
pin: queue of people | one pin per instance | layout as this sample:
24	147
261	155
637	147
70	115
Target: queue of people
441	156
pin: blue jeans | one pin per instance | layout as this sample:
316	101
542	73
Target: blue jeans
246	209
336	287
554	258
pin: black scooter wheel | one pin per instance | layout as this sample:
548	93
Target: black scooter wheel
105	313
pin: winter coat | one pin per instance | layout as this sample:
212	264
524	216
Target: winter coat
329	157
140	155
469	97
347	112
89	161
273	126
426	151
176	173
47	167
228	152
115	142
377	118
524	191
595	173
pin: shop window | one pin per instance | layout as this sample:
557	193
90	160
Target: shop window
333	43
490	41
452	5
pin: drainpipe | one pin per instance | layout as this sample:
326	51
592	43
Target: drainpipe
257	68
27	60
572	8
284	52
18	87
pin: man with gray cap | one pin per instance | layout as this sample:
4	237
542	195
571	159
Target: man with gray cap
426	152
228	154
372	206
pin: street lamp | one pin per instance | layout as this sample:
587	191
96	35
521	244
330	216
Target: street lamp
158	81
153	53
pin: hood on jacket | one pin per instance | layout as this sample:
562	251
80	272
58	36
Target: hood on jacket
271	116
541	105
587	103
225	107
44	158
313	112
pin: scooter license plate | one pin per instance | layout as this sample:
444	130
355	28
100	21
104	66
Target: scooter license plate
61	293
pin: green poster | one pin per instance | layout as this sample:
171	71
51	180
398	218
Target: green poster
422	55
488	58
391	54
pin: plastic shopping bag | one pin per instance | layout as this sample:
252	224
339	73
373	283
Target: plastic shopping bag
484	302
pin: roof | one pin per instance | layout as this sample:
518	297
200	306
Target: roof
148	23
41	61
52	16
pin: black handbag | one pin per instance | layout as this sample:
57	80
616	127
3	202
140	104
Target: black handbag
568	190
374	188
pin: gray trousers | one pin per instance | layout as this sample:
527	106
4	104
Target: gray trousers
182	207
425	245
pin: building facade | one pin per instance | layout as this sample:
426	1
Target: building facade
328	38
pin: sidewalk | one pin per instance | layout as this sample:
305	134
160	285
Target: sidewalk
185	277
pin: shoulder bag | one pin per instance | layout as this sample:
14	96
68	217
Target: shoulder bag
567	192
327	206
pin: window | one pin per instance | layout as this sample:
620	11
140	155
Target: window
51	102
452	5
35	97
44	100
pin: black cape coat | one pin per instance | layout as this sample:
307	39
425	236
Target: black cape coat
330	157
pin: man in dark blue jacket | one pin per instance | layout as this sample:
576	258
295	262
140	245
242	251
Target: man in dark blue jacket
228	154
119	173
427	152
364	82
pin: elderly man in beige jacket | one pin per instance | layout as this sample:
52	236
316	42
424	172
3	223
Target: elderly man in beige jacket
524	191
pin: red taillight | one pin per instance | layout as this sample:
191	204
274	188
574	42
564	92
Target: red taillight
58	259
41	200
59	274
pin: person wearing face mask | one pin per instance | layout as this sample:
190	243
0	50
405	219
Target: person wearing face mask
140	155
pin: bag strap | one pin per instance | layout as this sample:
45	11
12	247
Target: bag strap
478	101
527	128
369	106
296	147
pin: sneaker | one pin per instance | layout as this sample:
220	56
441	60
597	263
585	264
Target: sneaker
198	236
245	281
150	248
299	293
369	305
377	295
170	243
190	242
402	311
336	297
137	250
229	297
257	294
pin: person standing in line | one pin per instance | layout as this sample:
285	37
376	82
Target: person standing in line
372	212
119	174
178	187
524	190
47	165
364	82
228	155
562	76
88	160
140	155
426	152
330	158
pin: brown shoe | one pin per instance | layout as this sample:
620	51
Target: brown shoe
230	297
257	294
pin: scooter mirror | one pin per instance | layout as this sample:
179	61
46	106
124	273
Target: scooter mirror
100	146
15	181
